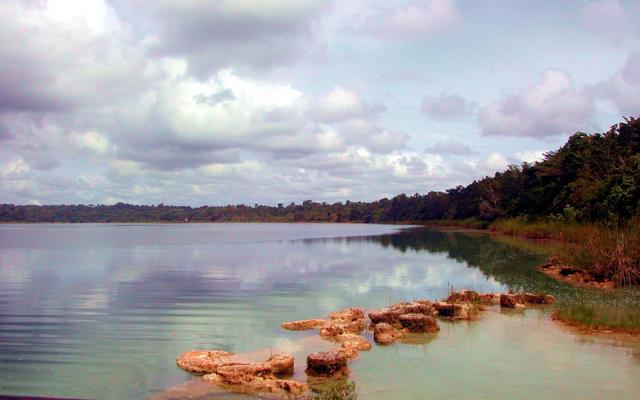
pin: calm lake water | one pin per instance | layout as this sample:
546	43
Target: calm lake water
102	311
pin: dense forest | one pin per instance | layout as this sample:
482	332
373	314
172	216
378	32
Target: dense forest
593	177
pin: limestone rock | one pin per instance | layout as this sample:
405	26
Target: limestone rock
326	363
453	310
417	307
347	315
470	296
351	340
384	333
385	315
241	373
511	300
531	298
303	325
419	323
333	329
256	384
281	364
203	361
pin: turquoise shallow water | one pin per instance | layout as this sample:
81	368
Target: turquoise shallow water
101	311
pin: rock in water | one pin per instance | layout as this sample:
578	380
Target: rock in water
203	361
281	364
347	315
353	341
257	384
385	315
326	363
470	296
419	323
391	315
293	387
384	333
416	307
531	298
236	374
451	310
304	324
511	300
336	328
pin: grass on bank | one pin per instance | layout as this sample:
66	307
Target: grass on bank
541	229
608	253
469	223
598	317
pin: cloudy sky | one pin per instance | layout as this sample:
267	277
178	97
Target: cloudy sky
250	101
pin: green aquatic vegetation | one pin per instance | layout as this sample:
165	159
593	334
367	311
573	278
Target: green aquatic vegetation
341	390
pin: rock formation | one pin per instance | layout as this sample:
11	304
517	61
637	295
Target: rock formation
326	363
221	368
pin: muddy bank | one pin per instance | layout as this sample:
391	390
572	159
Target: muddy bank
574	276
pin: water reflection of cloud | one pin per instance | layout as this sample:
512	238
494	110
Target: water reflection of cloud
137	300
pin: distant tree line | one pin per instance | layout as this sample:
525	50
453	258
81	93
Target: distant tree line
591	178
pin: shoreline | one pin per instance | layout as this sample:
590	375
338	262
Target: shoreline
607	332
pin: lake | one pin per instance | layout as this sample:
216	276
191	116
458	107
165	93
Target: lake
102	310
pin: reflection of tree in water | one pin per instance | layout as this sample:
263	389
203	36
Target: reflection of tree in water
506	263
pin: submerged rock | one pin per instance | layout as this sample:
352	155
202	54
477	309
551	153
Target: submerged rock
326	363
419	323
203	361
291	386
303	325
281	364
241	373
351	340
333	329
384	333
221	368
249	384
349	351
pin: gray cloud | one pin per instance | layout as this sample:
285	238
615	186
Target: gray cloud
413	20
201	102
458	149
549	107
61	62
446	106
623	89
215	34
610	20
215	97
